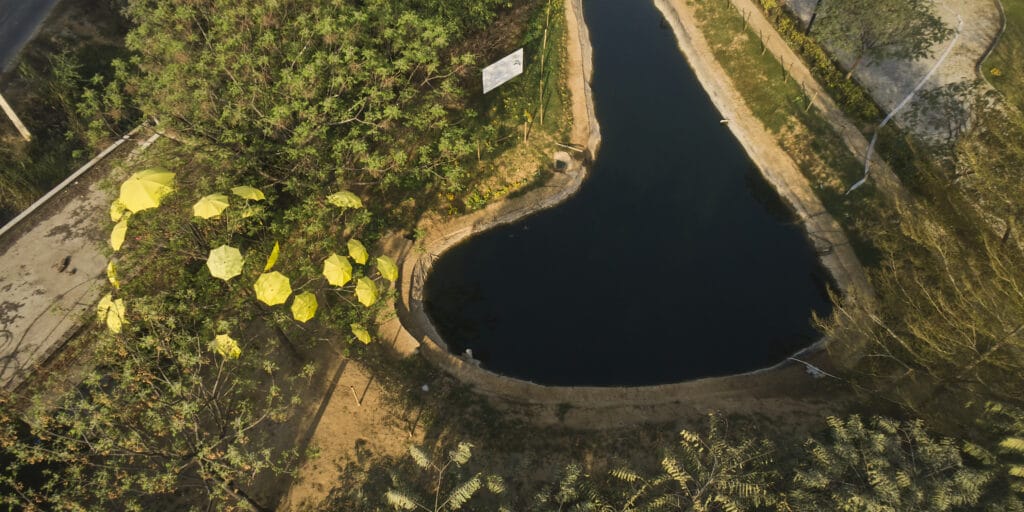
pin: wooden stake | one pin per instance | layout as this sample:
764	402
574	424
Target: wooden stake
811	102
353	390
543	54
14	119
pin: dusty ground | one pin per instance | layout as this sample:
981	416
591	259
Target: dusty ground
890	81
356	419
43	301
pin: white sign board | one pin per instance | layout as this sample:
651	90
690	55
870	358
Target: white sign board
504	70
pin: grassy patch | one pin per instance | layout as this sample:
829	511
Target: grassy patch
1005	67
535	106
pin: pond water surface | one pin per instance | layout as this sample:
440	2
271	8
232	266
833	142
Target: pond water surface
674	261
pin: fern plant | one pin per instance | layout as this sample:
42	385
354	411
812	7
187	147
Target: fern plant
704	473
712	473
885	465
574	492
446	490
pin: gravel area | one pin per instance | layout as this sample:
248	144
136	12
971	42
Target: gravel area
890	81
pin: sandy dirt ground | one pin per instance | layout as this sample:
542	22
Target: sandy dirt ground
356	416
890	81
357	419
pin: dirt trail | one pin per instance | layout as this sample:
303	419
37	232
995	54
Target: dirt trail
882	174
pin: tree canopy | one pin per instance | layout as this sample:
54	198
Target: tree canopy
881	29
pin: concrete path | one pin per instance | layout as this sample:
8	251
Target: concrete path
890	81
53	269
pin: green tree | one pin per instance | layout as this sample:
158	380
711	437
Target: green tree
1004	426
308	93
885	465
162	413
881	29
951	319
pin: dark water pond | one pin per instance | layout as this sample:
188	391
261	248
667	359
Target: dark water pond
18	21
674	261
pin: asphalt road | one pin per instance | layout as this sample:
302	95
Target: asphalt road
19	19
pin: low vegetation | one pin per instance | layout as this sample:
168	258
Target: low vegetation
60	91
1002	68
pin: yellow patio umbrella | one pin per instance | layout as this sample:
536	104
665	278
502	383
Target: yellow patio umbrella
345	199
118	233
366	291
361	333
226	346
304	307
387	268
357	251
337	270
112	312
210	206
117	210
145	189
225	262
273	288
112	276
274	253
253	194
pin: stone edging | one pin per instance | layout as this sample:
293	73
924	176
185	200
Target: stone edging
411	331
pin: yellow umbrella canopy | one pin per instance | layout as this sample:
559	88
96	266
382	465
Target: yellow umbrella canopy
272	259
112	312
144	190
345	199
304	307
273	288
357	251
210	206
112	276
225	262
253	194
387	268
118	233
366	291
226	346
337	270
361	333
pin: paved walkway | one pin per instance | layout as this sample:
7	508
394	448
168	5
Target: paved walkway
53	270
889	81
